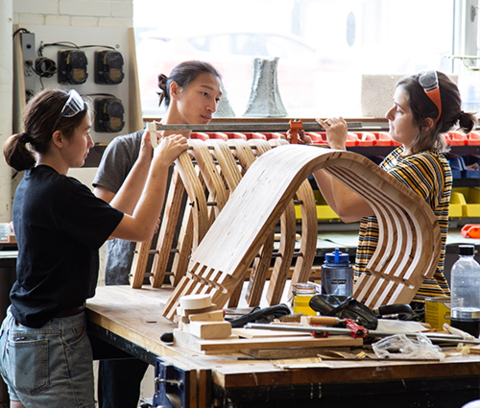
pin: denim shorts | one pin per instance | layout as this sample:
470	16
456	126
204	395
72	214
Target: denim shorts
48	367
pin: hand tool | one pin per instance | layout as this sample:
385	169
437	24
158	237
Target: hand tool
252	127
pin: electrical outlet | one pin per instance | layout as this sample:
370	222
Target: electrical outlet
28	54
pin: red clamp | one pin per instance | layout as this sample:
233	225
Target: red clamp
317	335
357	330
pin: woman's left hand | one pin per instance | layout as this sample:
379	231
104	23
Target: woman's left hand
337	132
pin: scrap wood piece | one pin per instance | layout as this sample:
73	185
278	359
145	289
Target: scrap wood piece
222	258
259	333
211	330
293	342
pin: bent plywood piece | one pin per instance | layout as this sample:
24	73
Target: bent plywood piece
232	242
167	229
309	230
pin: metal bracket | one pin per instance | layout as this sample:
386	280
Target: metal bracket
28	56
172	386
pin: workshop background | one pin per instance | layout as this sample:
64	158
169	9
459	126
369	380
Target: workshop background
109	26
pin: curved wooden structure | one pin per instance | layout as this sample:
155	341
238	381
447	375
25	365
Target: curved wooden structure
409	241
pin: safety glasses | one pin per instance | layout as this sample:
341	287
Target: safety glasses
429	82
75	104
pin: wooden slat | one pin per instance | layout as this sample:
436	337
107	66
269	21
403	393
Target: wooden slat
167	230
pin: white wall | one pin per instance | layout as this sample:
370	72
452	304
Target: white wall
6	85
60	16
80	13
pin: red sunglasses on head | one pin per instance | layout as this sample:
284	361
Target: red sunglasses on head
429	82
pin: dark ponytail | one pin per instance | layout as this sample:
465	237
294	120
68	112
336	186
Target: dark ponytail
467	121
17	154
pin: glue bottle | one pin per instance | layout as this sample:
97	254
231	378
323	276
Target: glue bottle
465	282
337	274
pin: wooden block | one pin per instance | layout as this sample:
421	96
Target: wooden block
211	330
195	301
188	341
187	312
181	319
229	346
152	128
216	316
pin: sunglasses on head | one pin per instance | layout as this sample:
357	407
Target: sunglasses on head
429	82
75	104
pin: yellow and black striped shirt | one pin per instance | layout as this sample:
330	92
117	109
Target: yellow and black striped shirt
428	174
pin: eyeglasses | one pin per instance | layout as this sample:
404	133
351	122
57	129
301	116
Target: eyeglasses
75	104
429	82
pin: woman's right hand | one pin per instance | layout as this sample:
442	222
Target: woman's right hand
302	137
169	148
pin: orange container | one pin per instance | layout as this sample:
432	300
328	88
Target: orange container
473	139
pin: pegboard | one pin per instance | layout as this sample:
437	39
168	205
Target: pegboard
116	37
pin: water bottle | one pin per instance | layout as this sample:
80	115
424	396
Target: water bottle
465	282
337	274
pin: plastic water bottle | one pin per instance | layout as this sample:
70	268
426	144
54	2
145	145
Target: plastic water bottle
465	281
337	274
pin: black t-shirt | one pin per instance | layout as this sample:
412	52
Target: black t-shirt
59	225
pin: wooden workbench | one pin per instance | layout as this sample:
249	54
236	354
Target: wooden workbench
131	320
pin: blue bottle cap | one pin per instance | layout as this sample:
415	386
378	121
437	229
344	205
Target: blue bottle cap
336	257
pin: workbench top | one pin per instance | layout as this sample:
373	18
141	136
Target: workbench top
134	314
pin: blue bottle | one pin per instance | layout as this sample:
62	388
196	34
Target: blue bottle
337	274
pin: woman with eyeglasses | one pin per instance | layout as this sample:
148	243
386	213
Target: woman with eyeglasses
46	357
191	94
426	106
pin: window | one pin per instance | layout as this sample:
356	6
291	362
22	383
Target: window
325	47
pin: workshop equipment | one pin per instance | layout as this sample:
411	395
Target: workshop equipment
327	330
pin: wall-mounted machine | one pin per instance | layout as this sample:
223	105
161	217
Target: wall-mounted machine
72	67
108	67
109	115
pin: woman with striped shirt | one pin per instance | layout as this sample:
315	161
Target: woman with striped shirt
426	106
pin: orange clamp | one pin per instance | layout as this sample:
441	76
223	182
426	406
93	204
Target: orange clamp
295	126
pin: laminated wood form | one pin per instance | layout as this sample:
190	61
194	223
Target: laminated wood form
409	236
269	179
